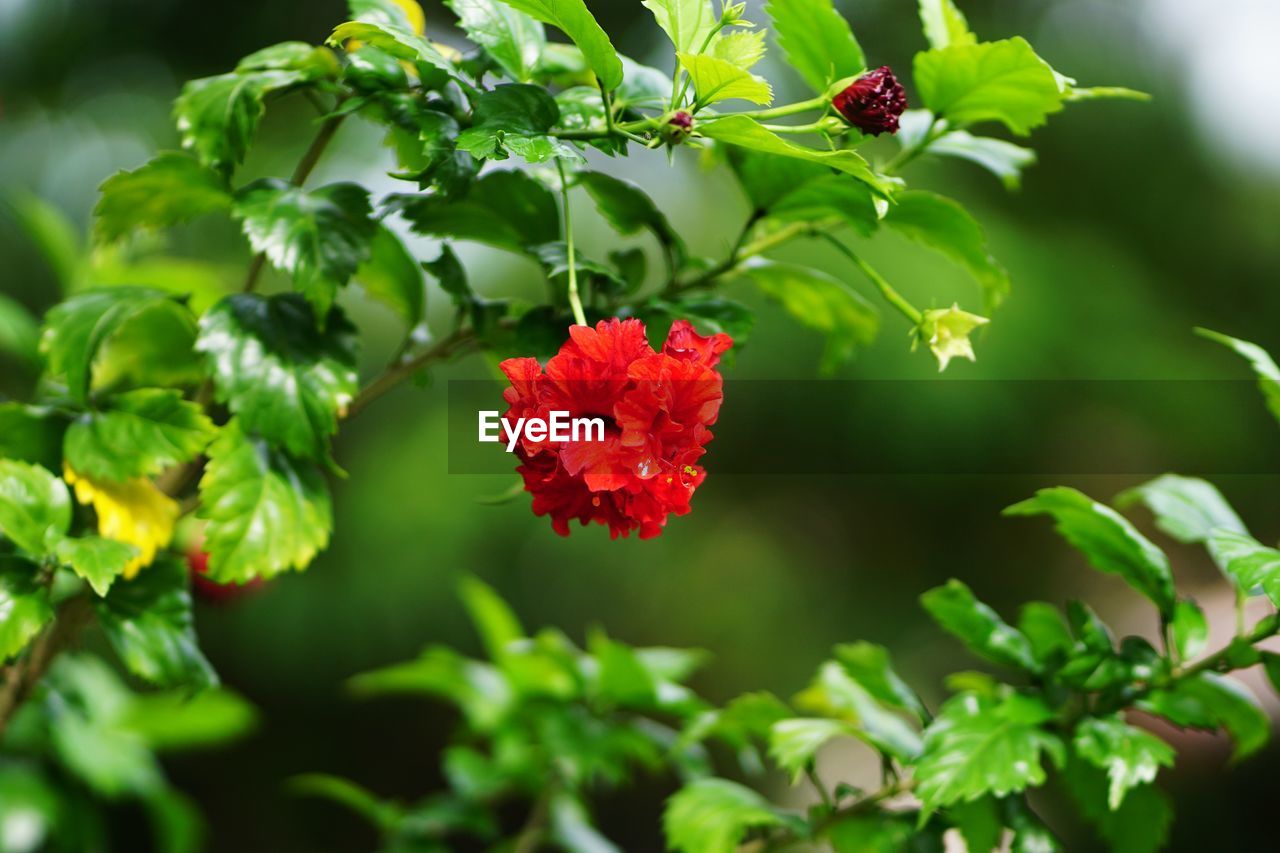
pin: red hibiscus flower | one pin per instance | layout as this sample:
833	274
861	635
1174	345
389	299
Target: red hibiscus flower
657	408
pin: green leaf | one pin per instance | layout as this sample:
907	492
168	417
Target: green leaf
794	743
96	559
1190	629
318	237
942	224
31	434
30	809
1140	825
361	801
393	277
83	328
1210	701
713	816
745	719
1003	159
496	623
1250	564
829	196
622	679
178	720
766	179
267	511
54	237
1264	366
506	209
284	378
1107	539
173	187
140	434
878	832
571	827
993	81
312	62
218	116
944	24
981	745
1187	508
512	38
717	80
628	209
834	693
1044	627
817	41
980	628
742	49
979	822
513	118
820	302
395	39
35	507
749	133
479	689
148	622
1131	756
24	604
19	332
688	23
870	666
573	19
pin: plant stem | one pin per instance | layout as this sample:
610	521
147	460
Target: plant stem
744	251
787	109
397	373
890	294
812	127
575	300
906	155
22	675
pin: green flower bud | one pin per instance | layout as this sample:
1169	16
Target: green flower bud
946	332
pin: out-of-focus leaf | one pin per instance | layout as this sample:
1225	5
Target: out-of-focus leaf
572	829
954	607
1187	508
1001	158
381	813
134	512
1250	564
1210	701
713	815
173	187
24	604
821	302
99	561
267	512
35	509
478	689
834	693
19	332
944	24
628	209
828	196
687	23
1001	81
179	720
493	618
512	38
573	19
817	41
1107	539
395	39
1131	756
393	277
31	434
139	434
794	743
218	116
1190	628
282	376
1264	366
870	666
1044	627
30	809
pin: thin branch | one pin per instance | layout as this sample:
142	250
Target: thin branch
23	675
446	348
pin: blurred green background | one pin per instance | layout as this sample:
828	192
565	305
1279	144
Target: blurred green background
1140	222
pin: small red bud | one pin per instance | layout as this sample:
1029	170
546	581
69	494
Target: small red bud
676	126
873	102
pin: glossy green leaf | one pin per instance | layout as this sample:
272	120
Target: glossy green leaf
1045	629
942	224
31	434
980	823
395	39
870	666
829	196
622	679
178	719
749	133
35	507
834	693
1187	508
1140	825
817	41
149	623
746	719
1001	81
24	604
980	745
514	118
512	38
139	434
284	378
96	559
218	116
713	816
1264	366
318	237
506	209
741	49
312	62
877	832
944	24
820	302
267	512
628	209
1250	564
767	179
1209	701
78	331
1190	628
1109	542
393	277
954	607
688	23
173	187
794	743
1003	159
716	80
573	19
1131	756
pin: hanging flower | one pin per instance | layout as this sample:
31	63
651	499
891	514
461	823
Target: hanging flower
657	408
873	102
945	331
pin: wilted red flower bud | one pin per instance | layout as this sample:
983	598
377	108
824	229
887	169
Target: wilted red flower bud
656	408
873	102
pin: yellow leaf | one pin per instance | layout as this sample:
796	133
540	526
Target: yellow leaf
135	512
412	11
